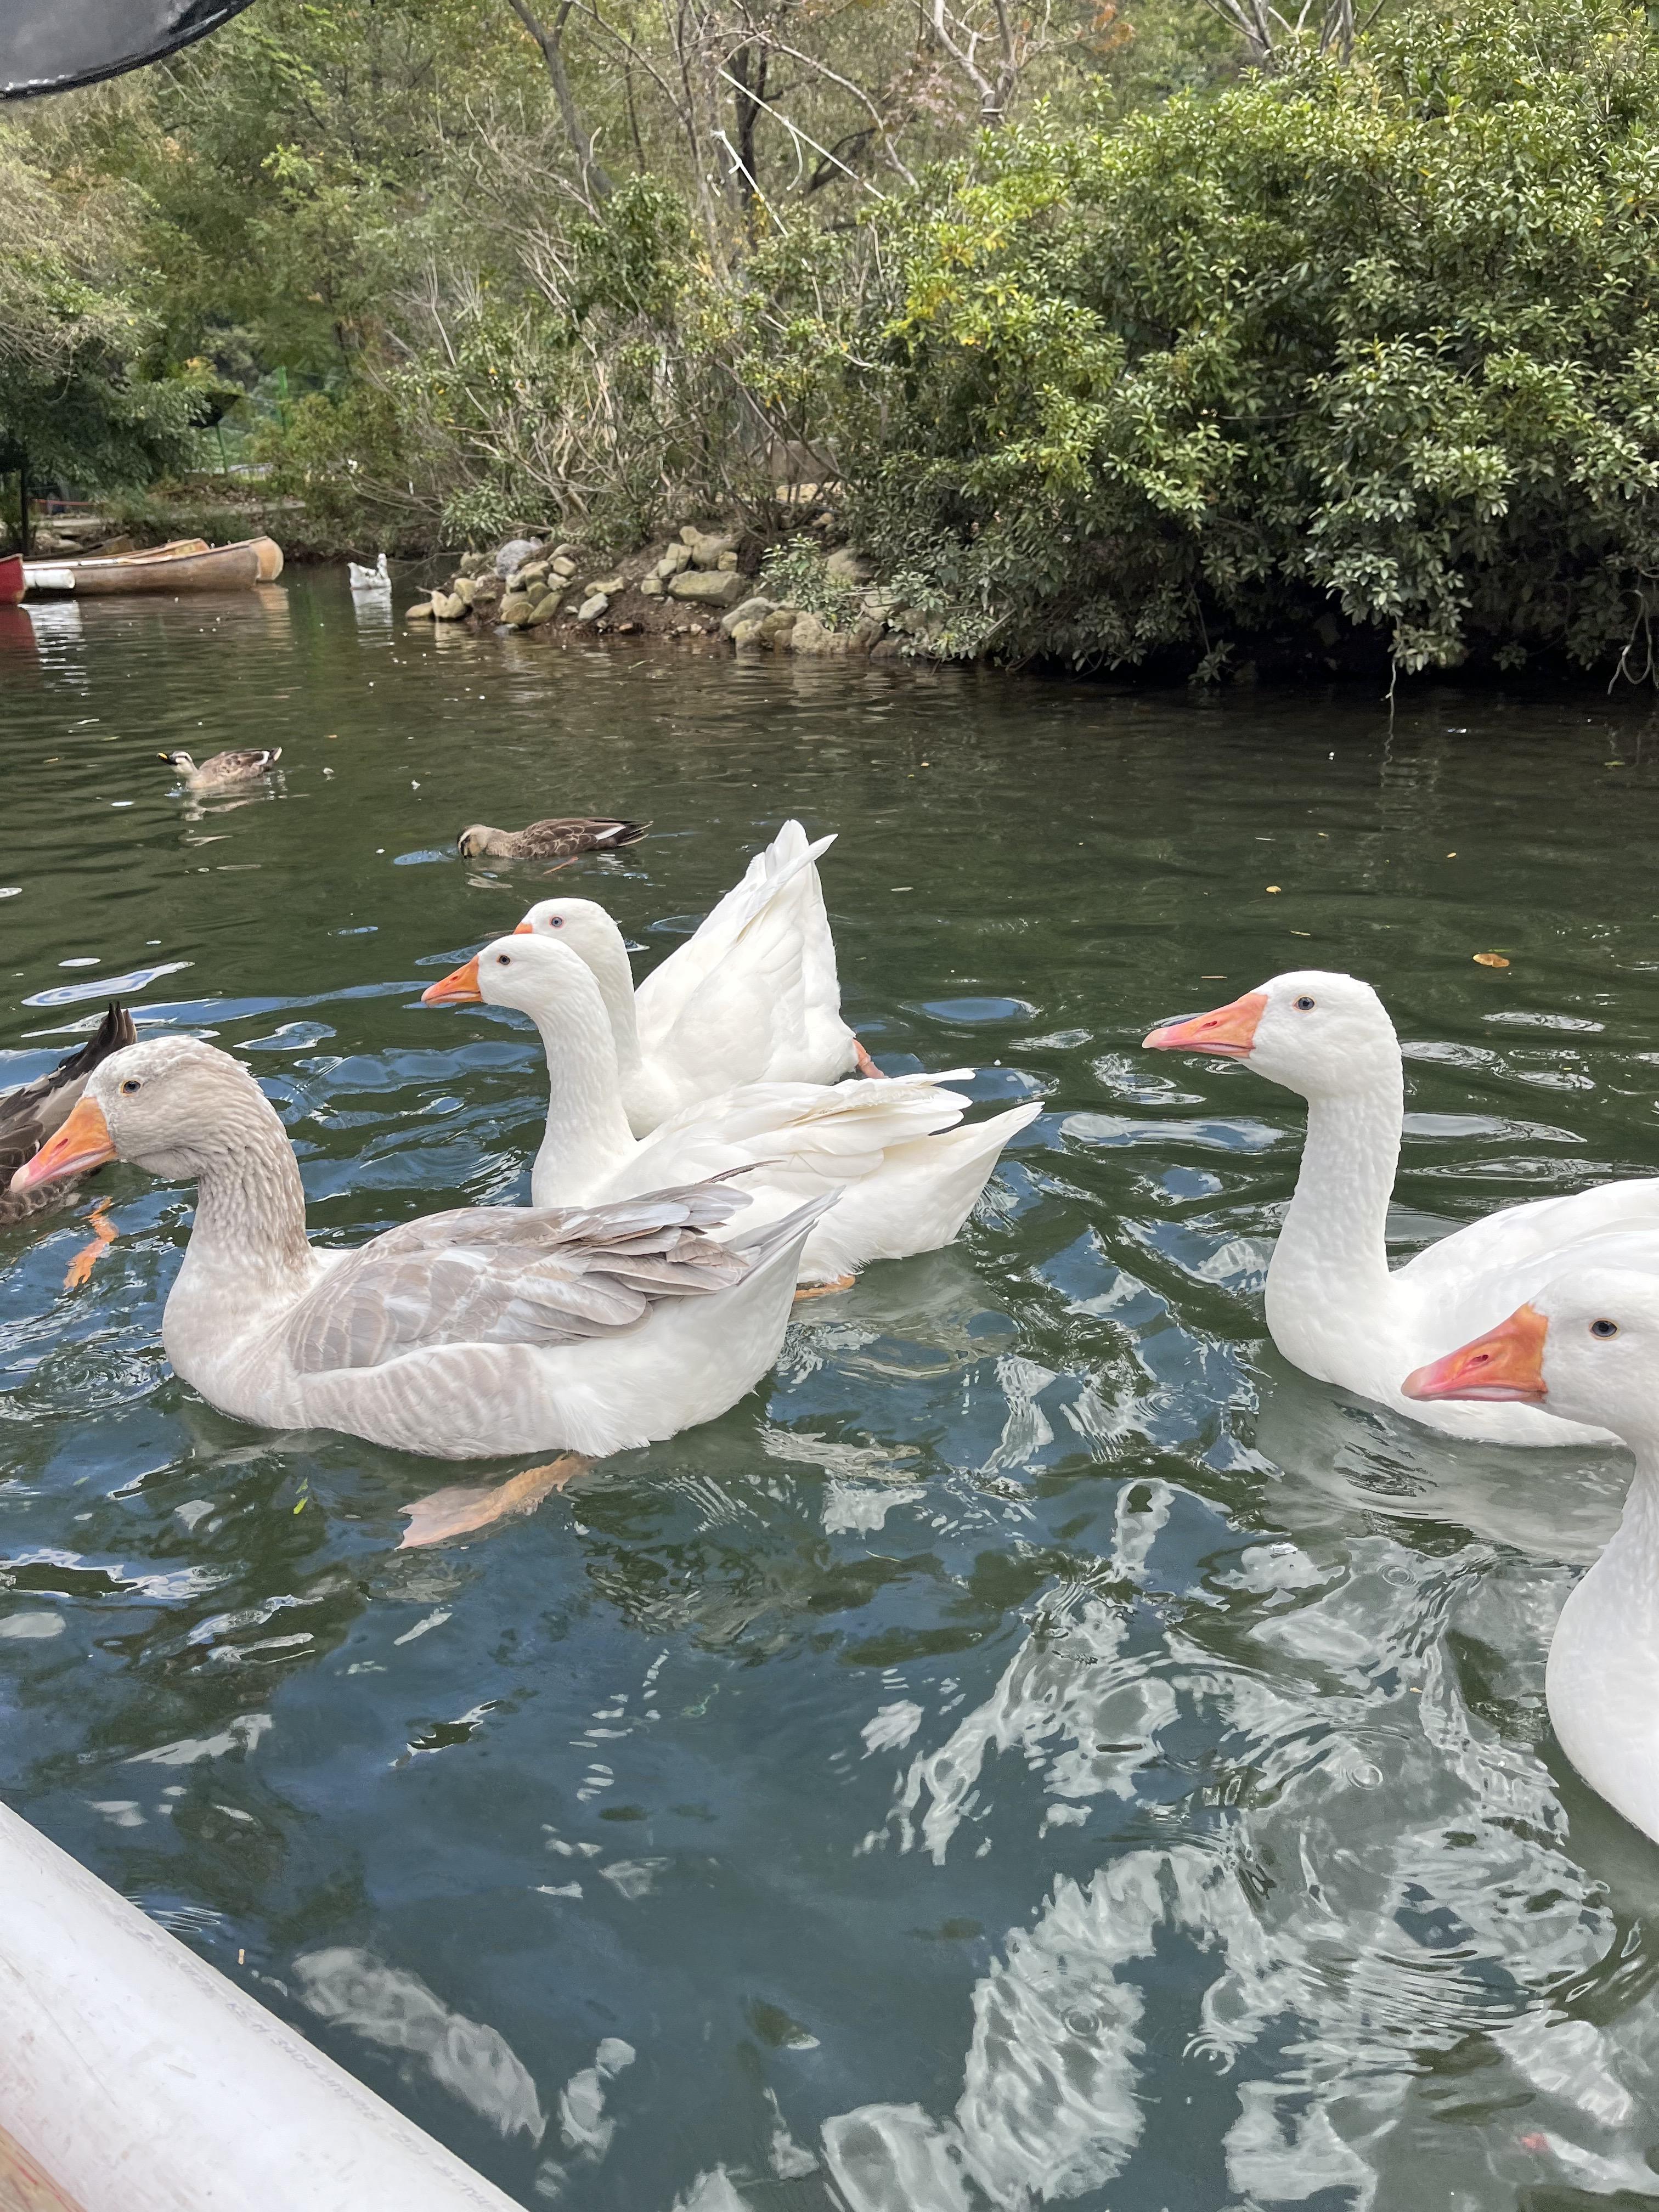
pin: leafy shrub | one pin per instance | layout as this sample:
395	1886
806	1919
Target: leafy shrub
1379	345
796	574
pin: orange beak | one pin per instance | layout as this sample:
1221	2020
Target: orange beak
524	929
459	988
1507	1364
83	1142
1229	1032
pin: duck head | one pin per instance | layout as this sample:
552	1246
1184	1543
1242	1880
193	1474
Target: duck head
1317	1032
481	841
183	760
1586	1347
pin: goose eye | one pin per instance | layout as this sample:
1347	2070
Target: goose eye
503	959
1304	1006
1604	1329
556	921
130	1085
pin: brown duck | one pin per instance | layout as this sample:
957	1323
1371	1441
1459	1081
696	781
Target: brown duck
32	1113
244	765
555	840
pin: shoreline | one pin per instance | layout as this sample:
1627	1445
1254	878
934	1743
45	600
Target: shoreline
699	586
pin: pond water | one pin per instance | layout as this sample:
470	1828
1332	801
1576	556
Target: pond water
1039	1749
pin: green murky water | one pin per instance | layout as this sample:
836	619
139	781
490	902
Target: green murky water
1039	1750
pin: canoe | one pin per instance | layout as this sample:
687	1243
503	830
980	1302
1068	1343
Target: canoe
189	565
134	2078
11	580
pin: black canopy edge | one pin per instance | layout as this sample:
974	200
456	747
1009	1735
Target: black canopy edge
196	21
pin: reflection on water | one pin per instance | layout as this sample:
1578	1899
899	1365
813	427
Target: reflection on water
1039	1750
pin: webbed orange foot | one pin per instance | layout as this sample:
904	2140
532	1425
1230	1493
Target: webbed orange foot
458	1511
826	1290
865	1065
103	1236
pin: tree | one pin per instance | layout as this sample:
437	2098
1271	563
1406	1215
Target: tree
74	401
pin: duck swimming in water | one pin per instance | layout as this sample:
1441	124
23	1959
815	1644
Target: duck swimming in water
223	770
559	838
752	996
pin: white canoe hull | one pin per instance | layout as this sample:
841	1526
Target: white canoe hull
135	2079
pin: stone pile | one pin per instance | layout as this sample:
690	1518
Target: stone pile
526	584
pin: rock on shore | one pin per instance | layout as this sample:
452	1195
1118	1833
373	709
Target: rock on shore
701	584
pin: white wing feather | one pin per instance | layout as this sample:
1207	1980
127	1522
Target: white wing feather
755	992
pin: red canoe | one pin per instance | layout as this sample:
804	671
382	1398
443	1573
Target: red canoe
11	580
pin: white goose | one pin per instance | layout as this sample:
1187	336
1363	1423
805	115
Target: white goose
377	579
1334	1307
910	1175
464	1335
1588	1345
752	997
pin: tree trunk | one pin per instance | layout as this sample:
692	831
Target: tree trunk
595	179
747	101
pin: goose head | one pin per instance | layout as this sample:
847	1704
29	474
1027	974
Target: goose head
1318	1033
1586	1347
173	1105
592	935
539	975
582	924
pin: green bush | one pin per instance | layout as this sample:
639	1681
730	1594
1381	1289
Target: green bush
1373	349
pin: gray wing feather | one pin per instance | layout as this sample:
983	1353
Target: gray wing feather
536	1275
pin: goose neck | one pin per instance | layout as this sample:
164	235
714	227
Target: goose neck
611	970
1334	1244
1602	1679
1625	1578
247	1242
587	1136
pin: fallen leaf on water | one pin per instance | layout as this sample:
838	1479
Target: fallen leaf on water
1273	887
1489	960
1302	932
1451	856
1211	979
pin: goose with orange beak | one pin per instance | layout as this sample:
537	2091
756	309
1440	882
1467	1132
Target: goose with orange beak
467	1334
1335	1308
752	996
906	1168
1588	1345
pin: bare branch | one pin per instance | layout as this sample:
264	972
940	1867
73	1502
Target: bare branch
796	133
